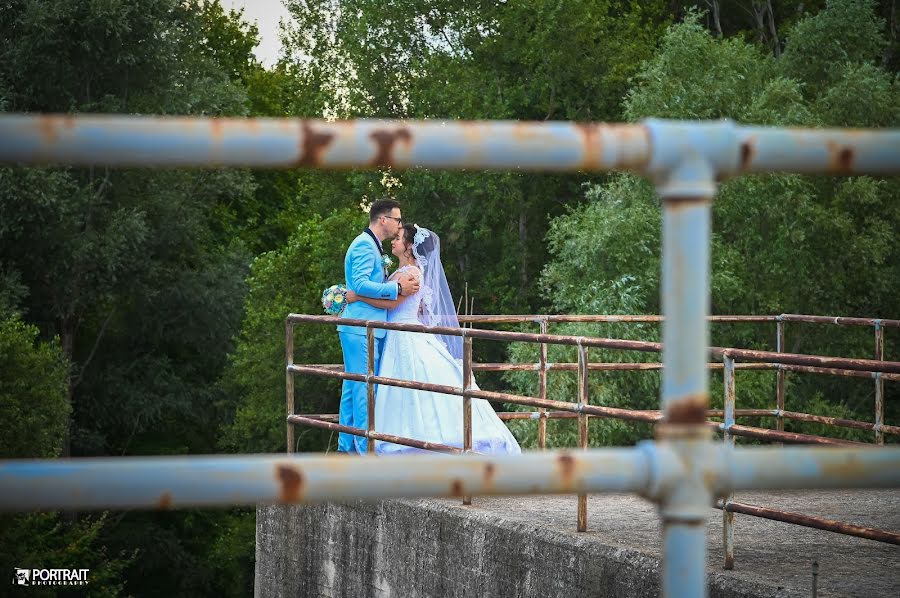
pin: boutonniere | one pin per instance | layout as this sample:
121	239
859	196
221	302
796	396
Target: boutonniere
387	262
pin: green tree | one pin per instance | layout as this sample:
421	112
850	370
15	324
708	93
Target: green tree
91	245
815	55
290	279
781	243
32	392
139	273
35	412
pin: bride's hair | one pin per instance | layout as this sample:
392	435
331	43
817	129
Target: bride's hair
409	235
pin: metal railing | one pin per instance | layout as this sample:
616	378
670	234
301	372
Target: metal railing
583	410
878	325
683	470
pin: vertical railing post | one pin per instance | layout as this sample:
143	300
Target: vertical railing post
582	426
685	388
370	388
879	384
728	439
467	402
687	160
779	380
289	380
542	389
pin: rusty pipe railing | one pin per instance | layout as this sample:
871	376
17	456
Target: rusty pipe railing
655	148
323	422
779	413
582	427
729	507
582	411
752	432
807	439
614	318
599	319
788	362
467	402
877	323
728	438
866	365
169	482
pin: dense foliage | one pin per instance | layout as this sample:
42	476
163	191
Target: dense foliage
142	311
781	243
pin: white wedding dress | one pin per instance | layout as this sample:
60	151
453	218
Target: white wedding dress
429	416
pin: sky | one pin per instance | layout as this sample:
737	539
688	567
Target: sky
266	14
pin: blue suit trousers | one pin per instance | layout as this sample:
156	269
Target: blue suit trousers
354	406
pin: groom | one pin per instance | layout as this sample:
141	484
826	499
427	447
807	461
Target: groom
366	275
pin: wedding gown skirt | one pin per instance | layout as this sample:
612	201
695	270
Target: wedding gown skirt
430	416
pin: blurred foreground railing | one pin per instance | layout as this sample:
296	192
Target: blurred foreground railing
683	471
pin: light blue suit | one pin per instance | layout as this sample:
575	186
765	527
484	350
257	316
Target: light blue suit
364	274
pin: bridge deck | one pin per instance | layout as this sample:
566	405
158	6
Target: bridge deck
768	553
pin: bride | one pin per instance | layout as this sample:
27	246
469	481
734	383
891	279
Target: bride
430	358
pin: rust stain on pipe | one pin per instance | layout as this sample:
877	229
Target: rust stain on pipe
456	488
849	468
215	128
567	469
489	472
291	483
312	144
589	138
677	203
747	152
688	410
48	126
841	158
386	140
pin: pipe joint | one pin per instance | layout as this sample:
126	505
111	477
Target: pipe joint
689	159
685	475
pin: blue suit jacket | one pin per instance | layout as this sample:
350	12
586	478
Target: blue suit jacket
364	274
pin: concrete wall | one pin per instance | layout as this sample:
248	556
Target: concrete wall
410	548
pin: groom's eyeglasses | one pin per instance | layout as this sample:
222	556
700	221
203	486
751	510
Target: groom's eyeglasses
399	220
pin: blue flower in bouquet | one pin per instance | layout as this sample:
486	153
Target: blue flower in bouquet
334	299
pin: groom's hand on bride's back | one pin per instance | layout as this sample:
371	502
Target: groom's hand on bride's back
408	285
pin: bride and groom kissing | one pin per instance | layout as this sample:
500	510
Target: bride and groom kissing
417	293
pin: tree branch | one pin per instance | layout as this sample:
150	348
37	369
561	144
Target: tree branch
776	44
77	379
714	7
103	184
449	43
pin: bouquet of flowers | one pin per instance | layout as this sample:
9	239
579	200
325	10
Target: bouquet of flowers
334	299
